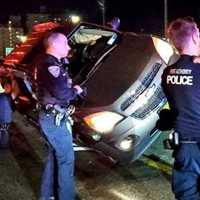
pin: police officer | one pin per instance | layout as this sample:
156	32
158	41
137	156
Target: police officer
114	23
54	89
6	111
181	85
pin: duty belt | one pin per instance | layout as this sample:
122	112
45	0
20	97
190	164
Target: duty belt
175	140
59	112
190	140
55	109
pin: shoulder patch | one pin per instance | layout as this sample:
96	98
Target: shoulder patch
54	70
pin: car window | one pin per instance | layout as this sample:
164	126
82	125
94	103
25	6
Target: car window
88	45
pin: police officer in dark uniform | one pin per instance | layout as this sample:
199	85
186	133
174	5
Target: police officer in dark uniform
54	89
6	112
181	84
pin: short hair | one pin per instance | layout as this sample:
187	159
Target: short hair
50	38
180	31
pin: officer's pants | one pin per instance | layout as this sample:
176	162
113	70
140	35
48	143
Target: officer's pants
59	165
4	136
186	172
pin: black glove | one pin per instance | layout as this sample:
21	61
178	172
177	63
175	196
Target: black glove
166	120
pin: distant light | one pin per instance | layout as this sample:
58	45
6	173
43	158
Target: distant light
75	19
22	38
8	50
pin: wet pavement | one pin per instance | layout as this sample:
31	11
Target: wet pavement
96	177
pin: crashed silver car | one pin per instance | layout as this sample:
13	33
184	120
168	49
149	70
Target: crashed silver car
121	74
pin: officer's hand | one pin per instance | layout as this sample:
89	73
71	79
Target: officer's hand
79	89
196	59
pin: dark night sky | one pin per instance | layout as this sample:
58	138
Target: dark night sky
144	15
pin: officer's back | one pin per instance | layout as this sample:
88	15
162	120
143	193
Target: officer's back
183	81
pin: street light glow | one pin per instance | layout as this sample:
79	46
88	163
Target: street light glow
22	38
75	19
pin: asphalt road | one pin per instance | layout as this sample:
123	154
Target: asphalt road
96	177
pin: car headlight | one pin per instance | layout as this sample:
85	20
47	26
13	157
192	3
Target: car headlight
103	122
163	48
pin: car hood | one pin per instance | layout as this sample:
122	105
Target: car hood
119	70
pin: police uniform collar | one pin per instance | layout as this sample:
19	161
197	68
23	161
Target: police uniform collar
53	58
186	57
